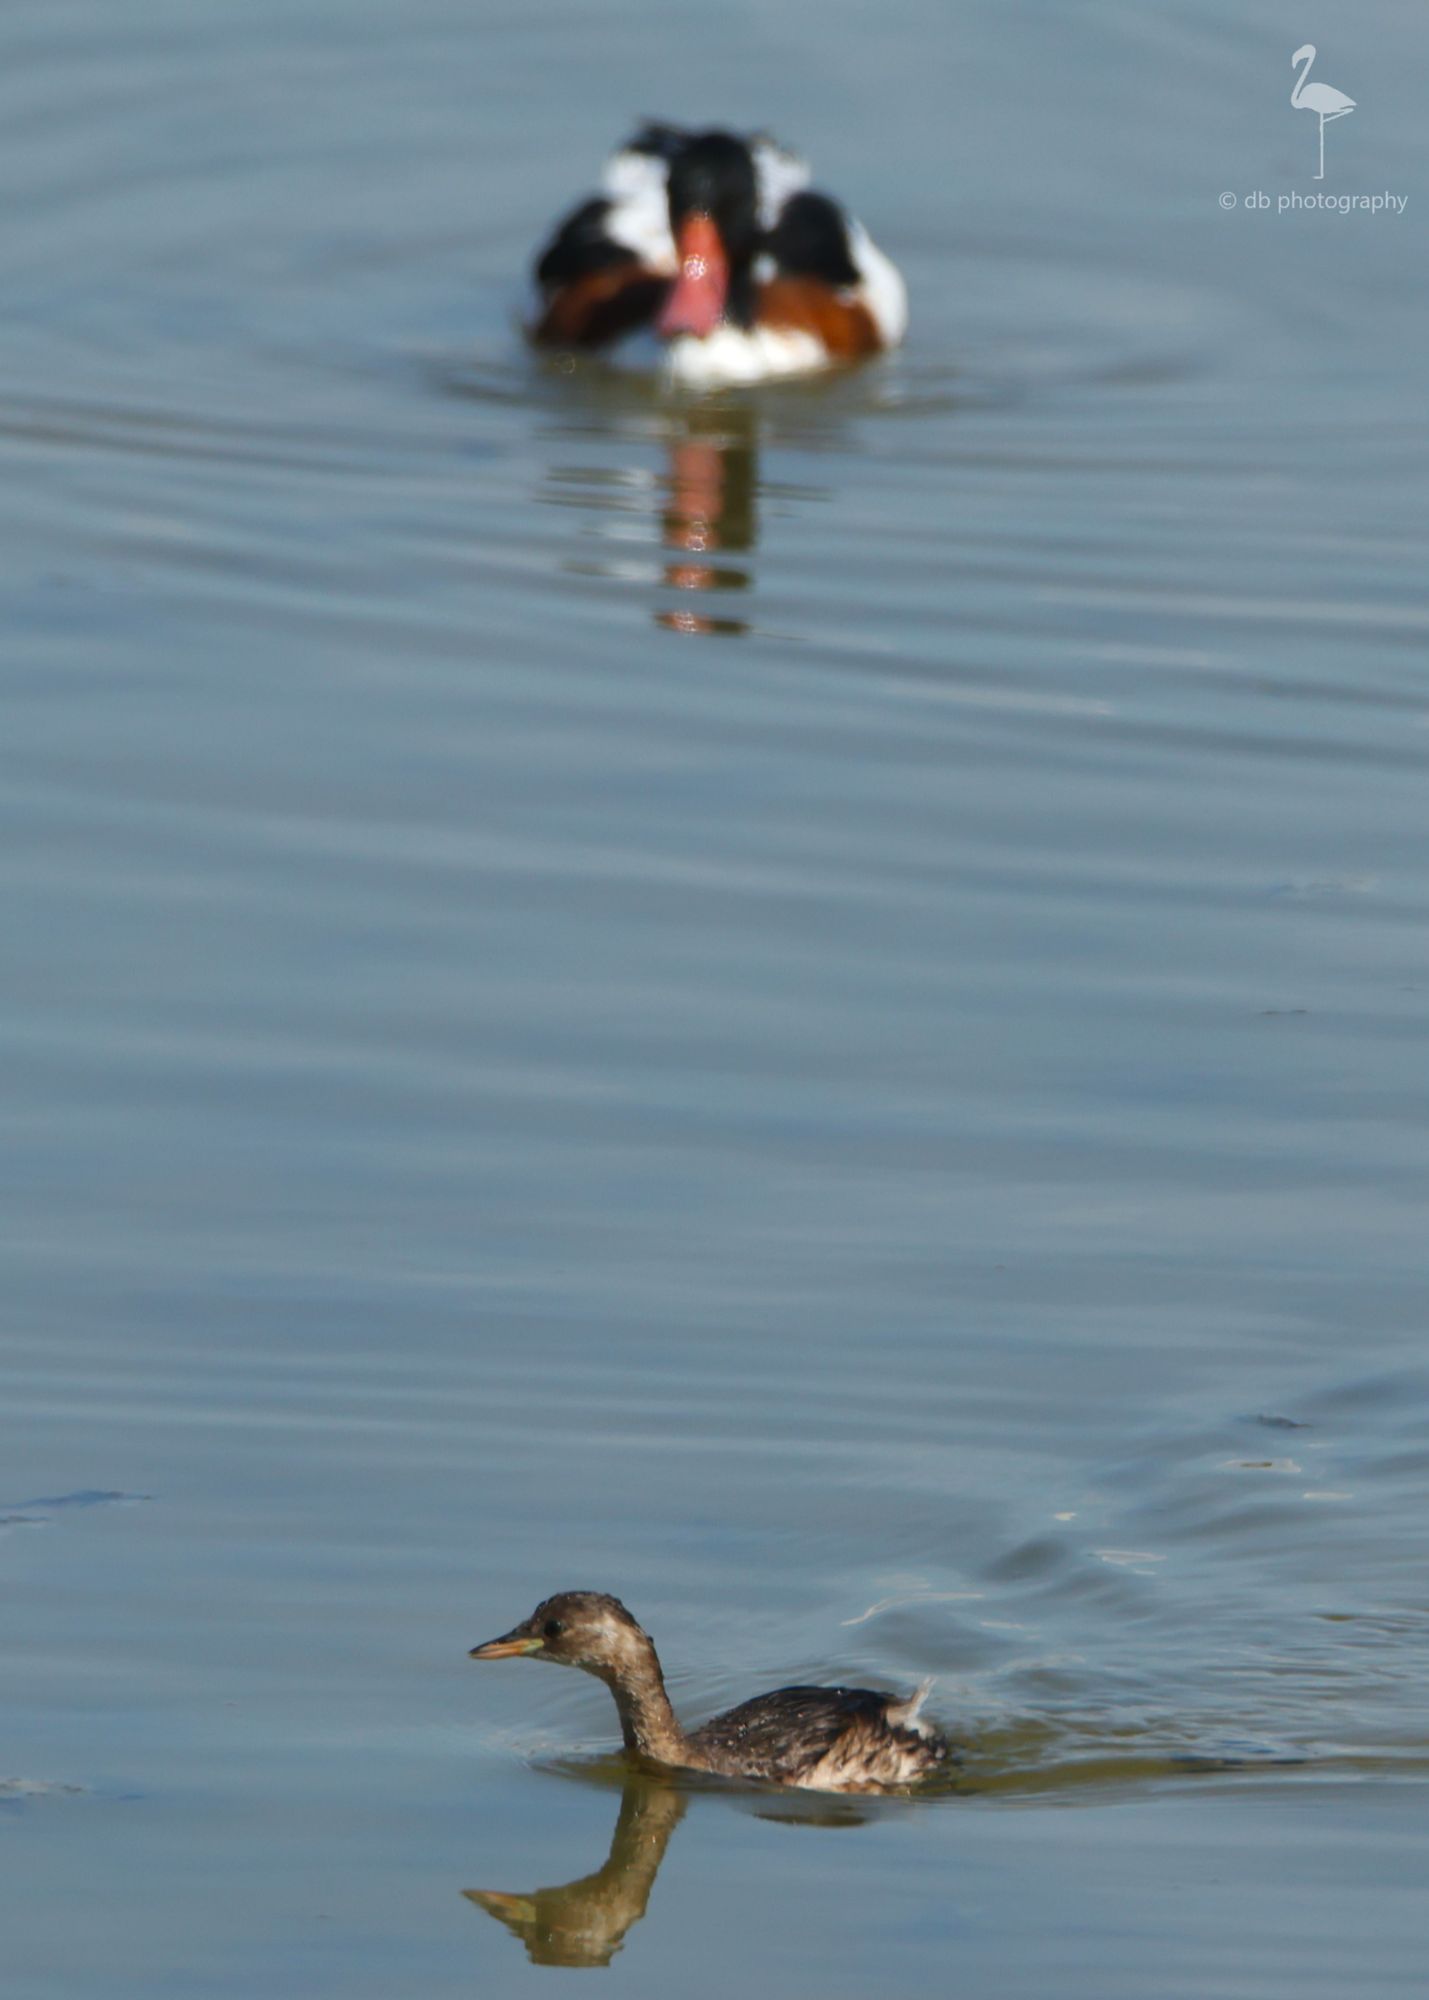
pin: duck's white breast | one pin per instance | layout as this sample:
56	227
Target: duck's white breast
732	355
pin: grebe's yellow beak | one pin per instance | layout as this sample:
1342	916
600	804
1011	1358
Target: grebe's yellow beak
509	1648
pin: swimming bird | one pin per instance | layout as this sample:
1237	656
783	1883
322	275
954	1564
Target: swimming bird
1321	97
718	247
826	1739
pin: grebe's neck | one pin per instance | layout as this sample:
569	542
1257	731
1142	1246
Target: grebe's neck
647	1720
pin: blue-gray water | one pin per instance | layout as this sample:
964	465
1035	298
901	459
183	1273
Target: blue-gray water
808	1008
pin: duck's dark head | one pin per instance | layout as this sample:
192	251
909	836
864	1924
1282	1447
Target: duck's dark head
576	1628
714	217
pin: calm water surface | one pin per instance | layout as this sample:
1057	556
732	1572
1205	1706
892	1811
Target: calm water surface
809	1008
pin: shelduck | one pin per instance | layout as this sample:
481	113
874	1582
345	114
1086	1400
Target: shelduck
717	247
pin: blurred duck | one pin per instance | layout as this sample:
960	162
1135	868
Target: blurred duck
718	247
827	1739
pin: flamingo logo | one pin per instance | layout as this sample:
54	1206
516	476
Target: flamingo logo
1321	98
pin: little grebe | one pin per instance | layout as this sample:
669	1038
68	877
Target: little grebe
827	1739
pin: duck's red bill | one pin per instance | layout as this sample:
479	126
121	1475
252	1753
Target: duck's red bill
697	300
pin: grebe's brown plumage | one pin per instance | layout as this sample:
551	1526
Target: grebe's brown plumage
829	1739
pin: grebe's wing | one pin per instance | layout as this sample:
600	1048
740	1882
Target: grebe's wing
780	1735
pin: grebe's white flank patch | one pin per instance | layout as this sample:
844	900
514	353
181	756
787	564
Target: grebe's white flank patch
906	1714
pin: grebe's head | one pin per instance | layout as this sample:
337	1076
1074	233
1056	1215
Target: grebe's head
575	1628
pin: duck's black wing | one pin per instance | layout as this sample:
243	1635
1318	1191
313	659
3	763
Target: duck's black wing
593	290
783	1735
830	279
608	265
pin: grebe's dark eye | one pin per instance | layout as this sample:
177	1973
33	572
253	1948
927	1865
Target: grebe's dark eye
553	1628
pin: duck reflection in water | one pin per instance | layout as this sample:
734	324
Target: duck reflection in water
713	466
584	1922
702	500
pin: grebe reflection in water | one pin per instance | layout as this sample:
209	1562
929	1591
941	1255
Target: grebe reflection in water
584	1922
